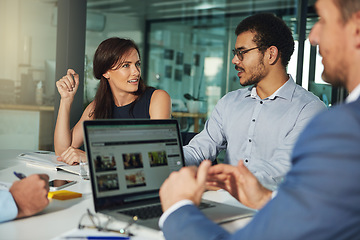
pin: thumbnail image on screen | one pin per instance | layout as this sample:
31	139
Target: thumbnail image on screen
136	179
107	182
105	163
158	158
132	160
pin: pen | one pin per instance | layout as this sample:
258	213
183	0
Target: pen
97	237
19	175
43	152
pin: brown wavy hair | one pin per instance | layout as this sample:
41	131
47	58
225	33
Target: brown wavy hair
109	54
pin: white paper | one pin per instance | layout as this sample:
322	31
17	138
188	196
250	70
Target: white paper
48	160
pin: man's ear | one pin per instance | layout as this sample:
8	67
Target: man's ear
356	19
273	55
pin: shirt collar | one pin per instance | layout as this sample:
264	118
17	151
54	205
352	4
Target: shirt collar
285	91
354	95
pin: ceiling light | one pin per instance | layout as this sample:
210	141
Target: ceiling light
165	3
104	2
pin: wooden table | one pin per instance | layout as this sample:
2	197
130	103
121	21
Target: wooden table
195	116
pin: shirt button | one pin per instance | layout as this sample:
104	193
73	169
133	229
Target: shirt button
253	120
249	140
246	160
261	102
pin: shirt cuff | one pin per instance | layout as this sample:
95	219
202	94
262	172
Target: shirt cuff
172	209
274	193
8	206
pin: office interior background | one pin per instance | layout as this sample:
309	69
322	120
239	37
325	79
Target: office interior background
185	48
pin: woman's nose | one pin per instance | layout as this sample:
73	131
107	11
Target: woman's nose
135	70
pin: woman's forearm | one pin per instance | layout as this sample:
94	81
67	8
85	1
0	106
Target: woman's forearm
62	134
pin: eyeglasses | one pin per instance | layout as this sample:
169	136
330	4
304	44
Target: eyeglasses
95	222
240	54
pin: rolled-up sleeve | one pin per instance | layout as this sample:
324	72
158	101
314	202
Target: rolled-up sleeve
210	141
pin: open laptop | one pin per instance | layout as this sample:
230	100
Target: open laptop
128	162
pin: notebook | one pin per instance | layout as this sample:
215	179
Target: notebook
128	162
46	159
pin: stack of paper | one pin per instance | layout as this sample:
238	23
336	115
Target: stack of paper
49	160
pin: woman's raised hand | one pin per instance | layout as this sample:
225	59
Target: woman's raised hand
68	85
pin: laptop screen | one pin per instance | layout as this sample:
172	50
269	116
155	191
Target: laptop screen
130	159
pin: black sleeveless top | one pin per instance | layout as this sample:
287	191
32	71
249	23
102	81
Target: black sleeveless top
140	110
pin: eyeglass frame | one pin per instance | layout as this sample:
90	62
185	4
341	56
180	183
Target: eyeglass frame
96	223
240	53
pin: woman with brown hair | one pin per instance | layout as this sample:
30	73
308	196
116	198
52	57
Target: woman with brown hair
122	93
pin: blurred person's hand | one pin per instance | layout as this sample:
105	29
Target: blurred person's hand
187	183
30	194
240	183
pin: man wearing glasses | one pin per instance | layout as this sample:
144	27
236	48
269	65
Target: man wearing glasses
261	123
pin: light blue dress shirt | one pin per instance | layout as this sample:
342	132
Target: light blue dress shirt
8	208
262	132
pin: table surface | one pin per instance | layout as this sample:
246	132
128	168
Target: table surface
62	216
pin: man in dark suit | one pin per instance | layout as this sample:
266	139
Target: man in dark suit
320	197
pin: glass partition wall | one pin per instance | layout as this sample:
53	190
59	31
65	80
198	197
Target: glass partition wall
190	58
185	47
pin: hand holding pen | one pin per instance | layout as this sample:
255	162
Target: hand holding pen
19	175
30	193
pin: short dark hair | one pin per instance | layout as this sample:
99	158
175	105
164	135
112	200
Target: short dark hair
347	8
269	31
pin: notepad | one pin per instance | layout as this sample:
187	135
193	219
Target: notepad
63	195
47	159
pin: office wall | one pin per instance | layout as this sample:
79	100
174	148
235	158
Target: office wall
27	36
27	40
9	18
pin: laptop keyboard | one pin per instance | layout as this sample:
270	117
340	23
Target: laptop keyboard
154	211
145	212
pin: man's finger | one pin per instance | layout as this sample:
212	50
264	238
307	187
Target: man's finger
215	184
202	172
44	177
243	169
217	177
221	169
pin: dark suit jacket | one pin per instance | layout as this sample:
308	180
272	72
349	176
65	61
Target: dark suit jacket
319	199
